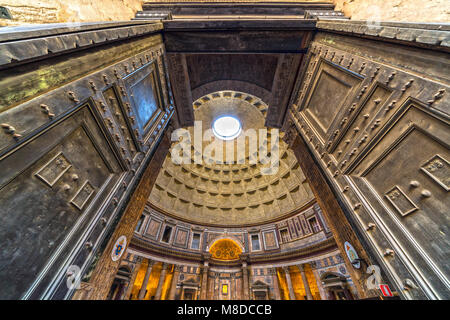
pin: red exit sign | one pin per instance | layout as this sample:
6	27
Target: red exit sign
386	290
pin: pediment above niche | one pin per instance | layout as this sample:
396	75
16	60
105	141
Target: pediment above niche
225	249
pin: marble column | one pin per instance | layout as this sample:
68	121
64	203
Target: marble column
347	294
216	286
323	294
120	291
276	287
233	287
305	282
245	295
289	283
129	288
173	285
161	282
204	288
145	282
114	294
331	295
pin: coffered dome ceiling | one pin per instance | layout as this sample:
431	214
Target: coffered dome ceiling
216	193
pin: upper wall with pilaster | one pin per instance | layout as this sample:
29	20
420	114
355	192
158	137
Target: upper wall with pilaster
304	234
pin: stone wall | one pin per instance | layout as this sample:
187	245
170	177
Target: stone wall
396	10
51	11
48	11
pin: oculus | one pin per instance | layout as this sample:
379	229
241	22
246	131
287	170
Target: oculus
226	127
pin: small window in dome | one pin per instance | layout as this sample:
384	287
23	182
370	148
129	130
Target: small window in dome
195	244
255	242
